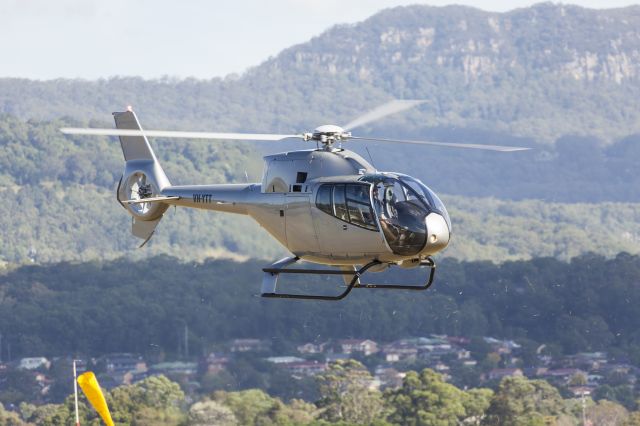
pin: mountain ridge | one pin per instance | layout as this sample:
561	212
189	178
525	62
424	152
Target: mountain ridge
540	72
489	31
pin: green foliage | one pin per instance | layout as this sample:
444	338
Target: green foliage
633	419
346	394
425	399
63	188
8	418
17	385
206	413
498	230
132	306
622	394
154	400
255	407
607	413
520	401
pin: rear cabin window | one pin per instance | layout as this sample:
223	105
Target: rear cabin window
350	203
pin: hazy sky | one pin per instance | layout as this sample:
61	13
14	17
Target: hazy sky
202	38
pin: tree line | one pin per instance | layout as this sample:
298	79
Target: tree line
345	398
588	304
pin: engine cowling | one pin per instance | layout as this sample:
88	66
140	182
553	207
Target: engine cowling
136	186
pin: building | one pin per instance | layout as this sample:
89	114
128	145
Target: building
502	347
564	375
500	373
34	363
366	347
400	350
336	357
121	363
216	362
120	368
248	345
284	359
389	377
312	348
580	391
305	368
173	369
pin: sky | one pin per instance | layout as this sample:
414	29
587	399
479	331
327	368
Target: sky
45	39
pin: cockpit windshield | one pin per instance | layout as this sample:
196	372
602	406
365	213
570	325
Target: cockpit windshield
428	196
402	203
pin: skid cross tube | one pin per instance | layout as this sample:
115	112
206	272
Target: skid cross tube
432	271
352	284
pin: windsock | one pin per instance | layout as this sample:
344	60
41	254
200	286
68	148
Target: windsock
91	389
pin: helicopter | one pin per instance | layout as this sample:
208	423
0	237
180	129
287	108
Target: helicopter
326	205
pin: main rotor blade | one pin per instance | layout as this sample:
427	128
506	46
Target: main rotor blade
382	111
177	134
500	148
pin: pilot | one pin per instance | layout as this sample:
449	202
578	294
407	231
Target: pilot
389	202
361	195
380	204
377	204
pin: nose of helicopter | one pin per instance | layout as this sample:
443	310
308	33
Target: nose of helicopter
438	234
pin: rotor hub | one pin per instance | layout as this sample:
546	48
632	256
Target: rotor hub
328	134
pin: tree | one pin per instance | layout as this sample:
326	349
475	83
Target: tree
8	418
476	403
633	419
426	399
154	400
607	413
578	379
346	394
18	386
520	401
61	414
206	413
256	407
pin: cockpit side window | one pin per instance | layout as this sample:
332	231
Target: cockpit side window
339	203
359	206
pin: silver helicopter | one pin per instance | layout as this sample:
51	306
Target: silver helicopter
326	205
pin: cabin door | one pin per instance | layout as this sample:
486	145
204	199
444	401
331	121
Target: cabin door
301	233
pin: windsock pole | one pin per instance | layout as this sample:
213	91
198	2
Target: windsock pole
75	391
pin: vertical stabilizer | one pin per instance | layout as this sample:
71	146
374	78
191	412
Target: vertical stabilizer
133	147
143	179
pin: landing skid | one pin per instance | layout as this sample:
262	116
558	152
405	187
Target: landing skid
270	279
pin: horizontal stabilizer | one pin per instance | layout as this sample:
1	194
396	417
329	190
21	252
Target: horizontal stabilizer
150	200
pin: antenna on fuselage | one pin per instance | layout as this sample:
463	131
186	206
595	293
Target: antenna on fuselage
370	157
